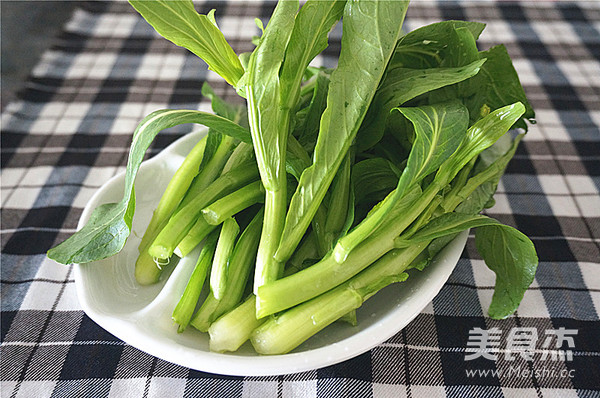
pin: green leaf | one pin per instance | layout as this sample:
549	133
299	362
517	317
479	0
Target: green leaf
308	39
461	49
480	188
340	214
439	130
297	158
235	113
480	136
308	119
179	22
109	226
498	85
371	30
505	250
373	179
446	224
512	257
268	124
427	46
402	85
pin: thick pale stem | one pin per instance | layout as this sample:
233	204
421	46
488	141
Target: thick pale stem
267	268
233	329
199	231
180	224
220	266
147	271
283	333
328	273
185	307
228	206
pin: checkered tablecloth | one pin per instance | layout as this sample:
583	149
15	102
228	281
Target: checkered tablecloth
69	132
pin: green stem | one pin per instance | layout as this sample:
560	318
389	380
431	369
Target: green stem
328	273
233	329
220	267
180	224
307	250
318	227
350	318
268	269
339	201
221	209
459	182
196	234
174	193
185	307
146	270
243	153
283	333
210	171
241	264
425	216
204	316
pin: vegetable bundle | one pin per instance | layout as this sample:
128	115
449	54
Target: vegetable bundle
331	183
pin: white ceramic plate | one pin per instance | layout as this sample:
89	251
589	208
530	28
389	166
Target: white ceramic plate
141	316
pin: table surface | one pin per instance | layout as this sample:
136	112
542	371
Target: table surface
69	131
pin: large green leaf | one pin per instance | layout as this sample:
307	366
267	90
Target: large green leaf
401	85
505	250
371	30
479	189
439	131
480	136
109	226
308	39
268	124
179	22
498	85
373	179
308	118
427	46
512	257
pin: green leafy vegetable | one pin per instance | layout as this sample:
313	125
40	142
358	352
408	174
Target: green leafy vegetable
342	180
498	85
512	257
427	46
402	85
269	127
219	270
372	29
439	130
109	226
179	22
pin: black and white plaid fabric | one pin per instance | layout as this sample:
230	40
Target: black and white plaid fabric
69	133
